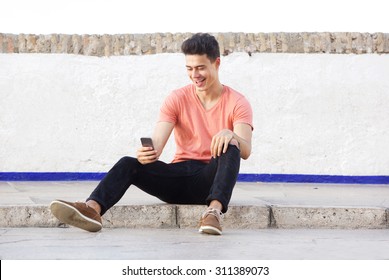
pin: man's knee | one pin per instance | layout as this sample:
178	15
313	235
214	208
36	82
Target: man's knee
233	149
127	161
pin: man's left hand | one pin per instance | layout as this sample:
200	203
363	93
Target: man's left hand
220	142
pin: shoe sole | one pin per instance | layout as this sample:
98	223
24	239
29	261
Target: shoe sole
68	214
210	230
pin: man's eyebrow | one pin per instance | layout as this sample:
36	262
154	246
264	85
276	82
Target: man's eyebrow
197	66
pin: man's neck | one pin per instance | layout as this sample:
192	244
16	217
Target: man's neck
209	98
211	94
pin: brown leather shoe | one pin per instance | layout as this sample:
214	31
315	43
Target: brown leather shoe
210	222
77	214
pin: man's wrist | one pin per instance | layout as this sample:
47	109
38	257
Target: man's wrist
235	142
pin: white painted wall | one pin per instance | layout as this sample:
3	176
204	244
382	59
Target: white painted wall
313	113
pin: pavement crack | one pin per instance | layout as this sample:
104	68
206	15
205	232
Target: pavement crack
15	241
177	219
272	223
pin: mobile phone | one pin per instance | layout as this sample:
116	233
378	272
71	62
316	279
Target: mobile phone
147	142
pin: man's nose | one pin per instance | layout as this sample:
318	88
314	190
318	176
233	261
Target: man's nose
195	73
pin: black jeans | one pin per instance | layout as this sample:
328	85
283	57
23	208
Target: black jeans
188	182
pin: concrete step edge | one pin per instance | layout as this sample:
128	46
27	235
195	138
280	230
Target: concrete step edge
188	216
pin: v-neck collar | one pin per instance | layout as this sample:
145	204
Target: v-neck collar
200	104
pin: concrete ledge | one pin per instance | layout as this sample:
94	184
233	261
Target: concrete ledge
187	216
242	217
27	216
141	216
329	217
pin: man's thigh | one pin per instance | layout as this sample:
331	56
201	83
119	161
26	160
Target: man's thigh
173	183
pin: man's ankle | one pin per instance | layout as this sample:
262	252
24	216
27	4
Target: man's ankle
215	204
94	205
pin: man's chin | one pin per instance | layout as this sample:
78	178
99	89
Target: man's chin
201	87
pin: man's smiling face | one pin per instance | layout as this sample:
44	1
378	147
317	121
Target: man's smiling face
202	72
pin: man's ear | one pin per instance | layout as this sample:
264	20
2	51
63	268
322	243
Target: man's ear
217	62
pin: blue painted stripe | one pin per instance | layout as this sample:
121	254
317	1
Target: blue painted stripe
304	178
269	178
51	176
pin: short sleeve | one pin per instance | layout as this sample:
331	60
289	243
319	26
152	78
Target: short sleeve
243	112
168	111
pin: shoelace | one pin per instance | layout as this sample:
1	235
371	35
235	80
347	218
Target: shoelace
84	204
212	211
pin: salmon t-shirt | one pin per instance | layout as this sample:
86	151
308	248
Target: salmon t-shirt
194	126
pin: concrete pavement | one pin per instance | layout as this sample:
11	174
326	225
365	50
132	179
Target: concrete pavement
253	206
188	244
265	221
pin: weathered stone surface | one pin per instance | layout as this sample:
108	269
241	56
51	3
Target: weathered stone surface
146	44
328	217
141	216
188	216
26	216
247	217
8	43
65	44
2	43
77	44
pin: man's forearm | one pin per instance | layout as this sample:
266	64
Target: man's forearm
243	145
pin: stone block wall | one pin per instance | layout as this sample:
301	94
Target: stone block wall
143	44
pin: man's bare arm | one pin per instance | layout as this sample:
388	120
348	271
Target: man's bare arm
241	137
161	134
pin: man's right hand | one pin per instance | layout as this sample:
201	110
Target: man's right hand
146	155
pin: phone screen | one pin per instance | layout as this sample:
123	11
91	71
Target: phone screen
147	142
